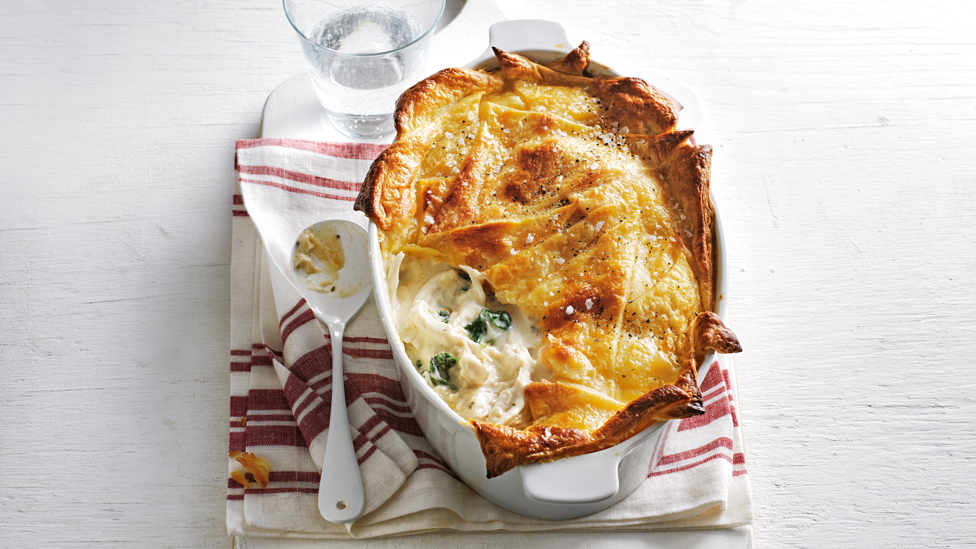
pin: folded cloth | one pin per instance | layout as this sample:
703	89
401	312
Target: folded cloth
281	386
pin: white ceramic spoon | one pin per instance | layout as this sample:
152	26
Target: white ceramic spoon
341	497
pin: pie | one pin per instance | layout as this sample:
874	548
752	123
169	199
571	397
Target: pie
551	251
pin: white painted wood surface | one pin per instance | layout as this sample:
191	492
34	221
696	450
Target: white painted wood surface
845	168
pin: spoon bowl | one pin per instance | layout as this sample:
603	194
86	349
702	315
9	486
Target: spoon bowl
339	297
330	268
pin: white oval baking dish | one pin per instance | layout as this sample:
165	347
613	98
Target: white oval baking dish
570	487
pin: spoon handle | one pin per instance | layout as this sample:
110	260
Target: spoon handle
341	497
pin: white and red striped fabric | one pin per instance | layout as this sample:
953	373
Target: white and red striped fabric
280	370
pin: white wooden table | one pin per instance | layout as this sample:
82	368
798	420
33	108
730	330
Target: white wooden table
845	168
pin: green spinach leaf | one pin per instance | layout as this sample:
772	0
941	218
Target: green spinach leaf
439	366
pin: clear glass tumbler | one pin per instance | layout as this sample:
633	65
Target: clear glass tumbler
362	54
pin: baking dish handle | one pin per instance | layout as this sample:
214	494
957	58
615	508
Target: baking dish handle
594	479
524	35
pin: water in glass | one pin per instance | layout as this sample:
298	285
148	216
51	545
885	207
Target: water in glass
370	82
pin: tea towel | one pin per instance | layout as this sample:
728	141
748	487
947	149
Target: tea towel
280	369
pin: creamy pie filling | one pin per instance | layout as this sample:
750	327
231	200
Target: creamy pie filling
476	353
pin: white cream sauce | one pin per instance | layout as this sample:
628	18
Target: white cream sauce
438	311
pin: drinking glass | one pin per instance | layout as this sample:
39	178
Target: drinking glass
362	54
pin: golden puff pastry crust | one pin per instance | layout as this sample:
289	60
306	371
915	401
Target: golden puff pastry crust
581	203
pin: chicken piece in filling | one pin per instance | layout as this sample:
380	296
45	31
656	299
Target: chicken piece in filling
476	353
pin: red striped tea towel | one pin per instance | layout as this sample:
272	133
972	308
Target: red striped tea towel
281	385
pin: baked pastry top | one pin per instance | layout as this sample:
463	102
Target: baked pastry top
573	201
